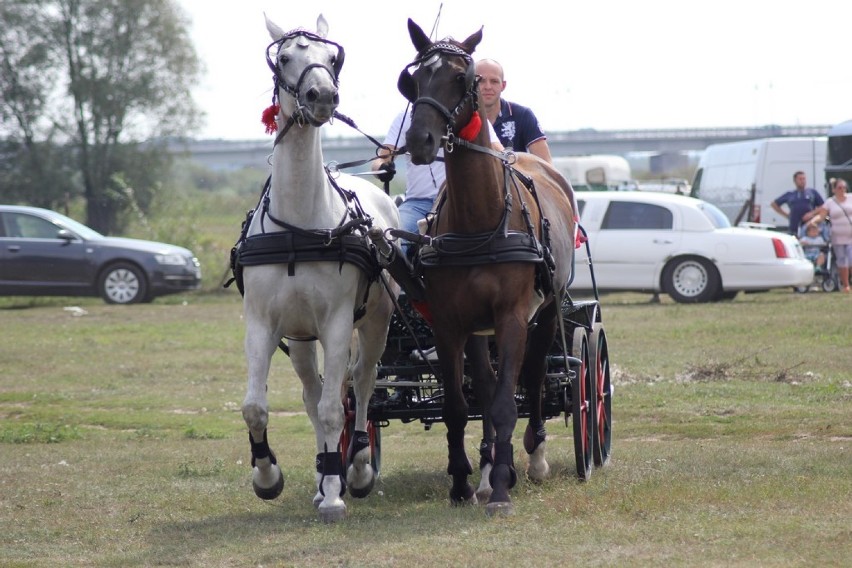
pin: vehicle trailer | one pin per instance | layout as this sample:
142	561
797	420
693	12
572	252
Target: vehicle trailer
744	178
838	162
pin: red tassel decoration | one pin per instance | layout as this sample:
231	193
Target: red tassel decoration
472	129
268	118
579	238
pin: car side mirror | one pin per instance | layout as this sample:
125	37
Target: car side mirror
65	235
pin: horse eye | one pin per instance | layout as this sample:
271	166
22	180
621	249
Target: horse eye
283	59
333	61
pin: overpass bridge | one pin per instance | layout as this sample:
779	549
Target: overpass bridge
237	154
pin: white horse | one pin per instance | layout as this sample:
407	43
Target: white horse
335	300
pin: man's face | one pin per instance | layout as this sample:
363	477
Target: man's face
800	181
491	84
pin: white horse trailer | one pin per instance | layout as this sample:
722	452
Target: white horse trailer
595	172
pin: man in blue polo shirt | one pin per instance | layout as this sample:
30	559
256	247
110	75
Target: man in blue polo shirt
516	125
801	203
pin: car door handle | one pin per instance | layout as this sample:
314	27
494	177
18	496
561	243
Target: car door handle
14	248
662	242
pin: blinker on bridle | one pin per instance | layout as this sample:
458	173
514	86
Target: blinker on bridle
408	88
337	64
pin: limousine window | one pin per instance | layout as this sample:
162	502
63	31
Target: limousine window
637	216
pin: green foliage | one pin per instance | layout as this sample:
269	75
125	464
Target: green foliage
129	66
38	433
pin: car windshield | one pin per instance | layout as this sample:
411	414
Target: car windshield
717	218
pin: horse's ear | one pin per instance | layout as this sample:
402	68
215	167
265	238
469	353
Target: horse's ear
471	42
420	40
322	26
275	32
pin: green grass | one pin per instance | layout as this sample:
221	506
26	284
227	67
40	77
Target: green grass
122	444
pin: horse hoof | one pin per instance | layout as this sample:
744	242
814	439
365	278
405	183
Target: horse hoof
361	492
538	469
467	497
332	514
271	492
484	494
501	509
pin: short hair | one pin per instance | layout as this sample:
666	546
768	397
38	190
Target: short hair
495	63
795	175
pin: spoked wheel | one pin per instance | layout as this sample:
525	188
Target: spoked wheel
373	431
599	356
830	282
583	405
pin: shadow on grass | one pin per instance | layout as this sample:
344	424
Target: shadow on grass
405	505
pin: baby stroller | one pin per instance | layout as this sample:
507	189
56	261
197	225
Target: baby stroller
818	247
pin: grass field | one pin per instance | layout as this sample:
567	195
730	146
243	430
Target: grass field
122	444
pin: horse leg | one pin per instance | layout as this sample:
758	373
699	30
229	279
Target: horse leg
303	357
336	342
533	373
455	411
267	479
484	382
371	341
511	343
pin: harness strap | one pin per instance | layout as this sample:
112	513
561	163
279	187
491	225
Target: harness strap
287	247
453	249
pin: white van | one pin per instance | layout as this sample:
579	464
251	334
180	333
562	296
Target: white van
744	178
595	172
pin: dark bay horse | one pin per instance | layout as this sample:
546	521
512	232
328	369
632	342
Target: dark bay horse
498	261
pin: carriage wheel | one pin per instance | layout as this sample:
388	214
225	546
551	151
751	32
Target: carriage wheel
373	431
599	356
583	406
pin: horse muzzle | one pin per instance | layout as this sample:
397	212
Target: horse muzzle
318	104
422	146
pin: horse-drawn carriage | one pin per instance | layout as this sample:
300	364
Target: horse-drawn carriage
409	386
491	279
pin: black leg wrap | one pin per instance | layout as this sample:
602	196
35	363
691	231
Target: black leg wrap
503	455
534	437
260	450
330	463
486	453
360	441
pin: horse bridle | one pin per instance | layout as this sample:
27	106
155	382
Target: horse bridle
408	88
298	116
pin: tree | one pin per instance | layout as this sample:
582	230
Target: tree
32	168
123	81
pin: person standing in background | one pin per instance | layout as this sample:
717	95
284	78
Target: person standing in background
838	208
801	203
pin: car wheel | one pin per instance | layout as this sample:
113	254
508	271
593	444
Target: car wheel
123	283
691	280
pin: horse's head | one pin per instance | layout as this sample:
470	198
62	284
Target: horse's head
306	68
442	89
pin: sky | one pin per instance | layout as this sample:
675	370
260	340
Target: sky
601	64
